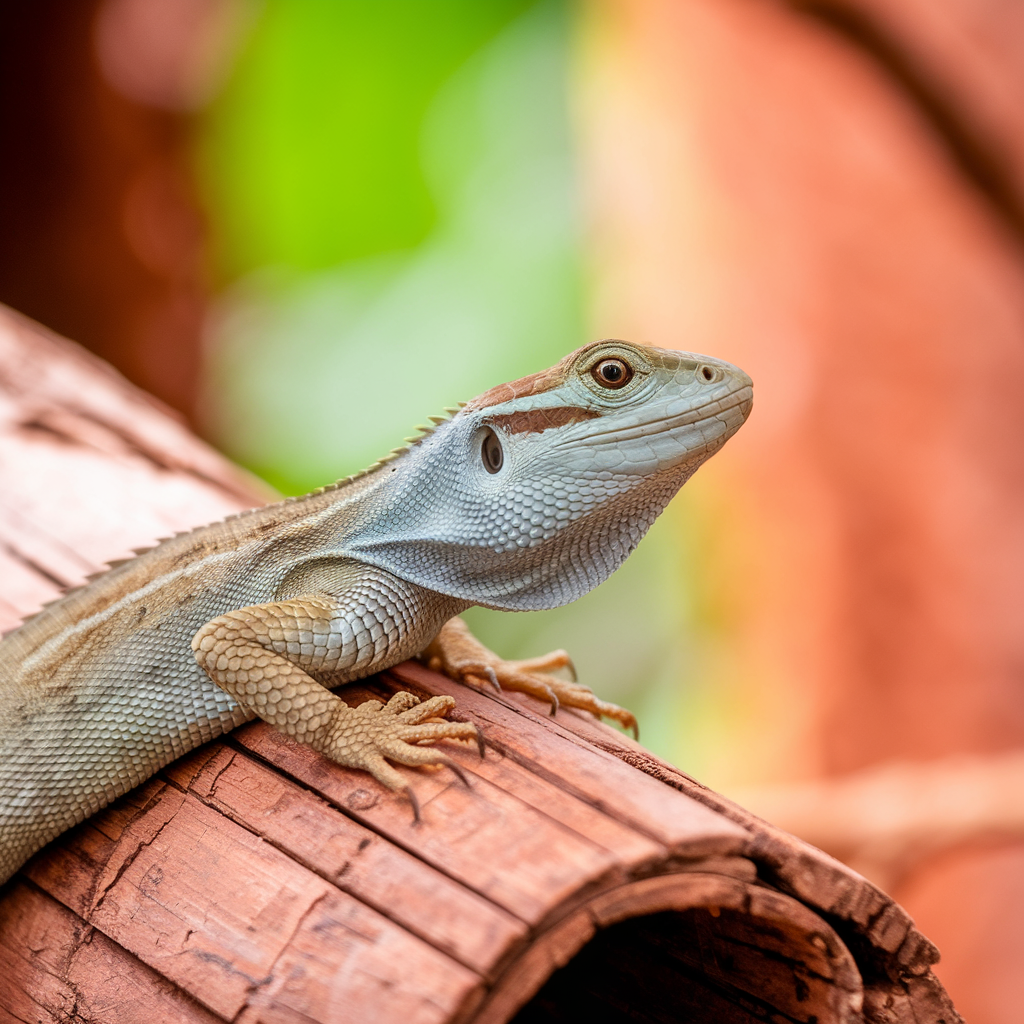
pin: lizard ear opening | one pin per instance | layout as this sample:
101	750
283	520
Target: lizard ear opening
491	452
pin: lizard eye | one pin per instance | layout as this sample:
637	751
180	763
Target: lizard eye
612	373
491	451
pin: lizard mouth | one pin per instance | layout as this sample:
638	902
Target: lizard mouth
715	409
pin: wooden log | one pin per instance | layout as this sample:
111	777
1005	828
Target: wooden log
577	877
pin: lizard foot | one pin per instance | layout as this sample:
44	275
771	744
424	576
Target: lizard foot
457	653
373	733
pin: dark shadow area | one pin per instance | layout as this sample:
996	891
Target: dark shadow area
101	238
690	967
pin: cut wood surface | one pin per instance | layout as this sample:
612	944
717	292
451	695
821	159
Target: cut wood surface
577	877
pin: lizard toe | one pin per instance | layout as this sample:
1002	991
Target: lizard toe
402	703
434	707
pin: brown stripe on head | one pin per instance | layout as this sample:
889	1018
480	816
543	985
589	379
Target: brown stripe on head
535	421
534	384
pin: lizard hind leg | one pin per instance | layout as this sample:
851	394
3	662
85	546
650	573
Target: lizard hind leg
457	653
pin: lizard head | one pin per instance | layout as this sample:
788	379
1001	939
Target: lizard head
538	489
613	408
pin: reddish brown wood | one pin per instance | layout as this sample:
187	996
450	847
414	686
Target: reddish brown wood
55	967
355	859
256	881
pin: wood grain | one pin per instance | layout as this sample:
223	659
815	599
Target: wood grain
54	968
306	828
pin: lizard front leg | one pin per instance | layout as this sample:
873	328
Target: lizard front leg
457	653
262	656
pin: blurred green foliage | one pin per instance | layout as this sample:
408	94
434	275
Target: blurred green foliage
312	153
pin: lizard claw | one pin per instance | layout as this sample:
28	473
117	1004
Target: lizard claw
457	771
553	697
482	671
417	819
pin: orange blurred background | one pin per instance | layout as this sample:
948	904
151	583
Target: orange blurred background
308	224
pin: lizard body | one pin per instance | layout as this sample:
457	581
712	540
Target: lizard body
528	497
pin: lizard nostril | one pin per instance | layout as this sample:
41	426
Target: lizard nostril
707	373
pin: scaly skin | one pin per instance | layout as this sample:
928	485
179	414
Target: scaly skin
528	497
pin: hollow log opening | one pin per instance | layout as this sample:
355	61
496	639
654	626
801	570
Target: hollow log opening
694	966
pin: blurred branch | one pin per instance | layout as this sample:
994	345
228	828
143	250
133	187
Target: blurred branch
978	158
884	821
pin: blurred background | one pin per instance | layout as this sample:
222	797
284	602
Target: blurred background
309	224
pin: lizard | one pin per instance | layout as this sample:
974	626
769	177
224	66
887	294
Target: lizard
524	498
